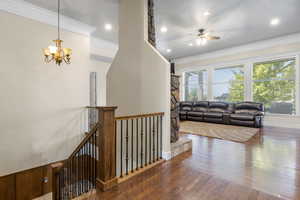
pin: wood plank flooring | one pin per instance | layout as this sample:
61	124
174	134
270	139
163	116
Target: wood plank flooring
265	168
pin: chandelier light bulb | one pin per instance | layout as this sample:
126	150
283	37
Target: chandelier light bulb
52	49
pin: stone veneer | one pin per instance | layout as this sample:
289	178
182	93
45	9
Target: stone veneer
184	144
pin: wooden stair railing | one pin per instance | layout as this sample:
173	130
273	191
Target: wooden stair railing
139	143
77	175
92	164
113	151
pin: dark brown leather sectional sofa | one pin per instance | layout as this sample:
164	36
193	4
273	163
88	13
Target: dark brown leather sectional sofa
243	113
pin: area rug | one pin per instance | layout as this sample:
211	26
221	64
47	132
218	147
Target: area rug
225	132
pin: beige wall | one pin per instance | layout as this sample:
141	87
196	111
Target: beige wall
42	116
139	78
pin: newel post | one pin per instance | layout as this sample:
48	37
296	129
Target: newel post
106	141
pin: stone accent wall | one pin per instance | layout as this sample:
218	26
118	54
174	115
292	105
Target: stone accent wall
151	24
174	108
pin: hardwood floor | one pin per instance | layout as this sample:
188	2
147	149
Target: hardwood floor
265	168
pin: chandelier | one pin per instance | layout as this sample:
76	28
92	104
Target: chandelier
57	53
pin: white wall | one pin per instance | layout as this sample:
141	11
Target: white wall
139	77
283	47
41	105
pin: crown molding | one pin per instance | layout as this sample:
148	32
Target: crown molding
28	10
284	40
103	47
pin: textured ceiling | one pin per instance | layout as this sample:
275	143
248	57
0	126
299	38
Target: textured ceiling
238	22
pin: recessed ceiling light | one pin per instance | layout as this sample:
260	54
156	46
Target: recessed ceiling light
169	50
108	27
206	13
275	21
163	29
191	44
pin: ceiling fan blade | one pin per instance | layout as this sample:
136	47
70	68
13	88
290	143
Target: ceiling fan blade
210	37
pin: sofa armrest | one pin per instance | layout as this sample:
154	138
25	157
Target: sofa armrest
260	113
258	121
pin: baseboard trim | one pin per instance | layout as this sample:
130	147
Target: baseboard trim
140	171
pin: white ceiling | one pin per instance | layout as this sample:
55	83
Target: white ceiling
238	22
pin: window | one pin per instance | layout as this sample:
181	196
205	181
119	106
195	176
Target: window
195	85
274	85
228	84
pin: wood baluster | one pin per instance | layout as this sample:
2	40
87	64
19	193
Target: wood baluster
146	141
150	139
121	150
127	146
131	145
85	168
116	142
77	174
81	172
161	137
62	183
153	137
69	177
88	167
157	139
137	143
96	158
142	142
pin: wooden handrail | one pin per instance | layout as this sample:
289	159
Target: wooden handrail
140	116
84	141
102	107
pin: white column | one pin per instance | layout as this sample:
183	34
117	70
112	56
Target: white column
298	84
210	72
248	81
182	86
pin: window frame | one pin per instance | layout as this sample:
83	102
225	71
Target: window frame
297	87
204	84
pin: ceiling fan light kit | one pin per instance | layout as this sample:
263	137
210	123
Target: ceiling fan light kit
203	37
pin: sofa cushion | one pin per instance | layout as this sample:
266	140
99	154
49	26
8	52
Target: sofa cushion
242	117
196	114
186	106
212	115
218	107
200	106
249	106
246	111
182	112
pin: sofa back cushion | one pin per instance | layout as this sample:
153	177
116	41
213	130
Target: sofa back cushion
200	106
218	107
248	107
186	106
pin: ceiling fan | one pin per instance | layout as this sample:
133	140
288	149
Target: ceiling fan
204	36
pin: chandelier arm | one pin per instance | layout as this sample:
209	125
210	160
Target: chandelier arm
47	60
67	61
